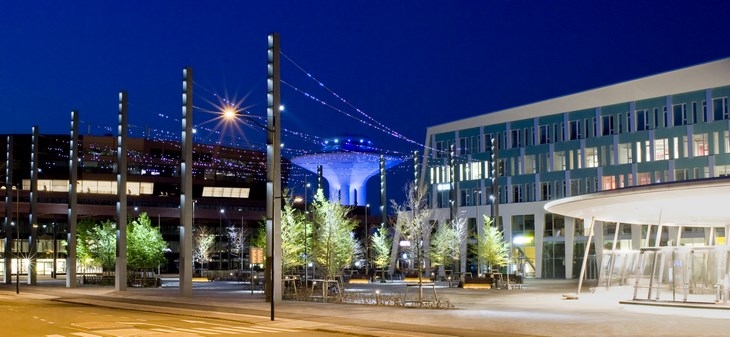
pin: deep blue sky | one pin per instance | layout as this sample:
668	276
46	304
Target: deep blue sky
406	64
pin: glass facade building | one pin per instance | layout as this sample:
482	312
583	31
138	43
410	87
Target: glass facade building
508	164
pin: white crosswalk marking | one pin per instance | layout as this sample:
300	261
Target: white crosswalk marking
197	331
272	329
239	329
215	330
257	328
249	327
210	329
163	330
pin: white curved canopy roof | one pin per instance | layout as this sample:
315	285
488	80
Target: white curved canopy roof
697	203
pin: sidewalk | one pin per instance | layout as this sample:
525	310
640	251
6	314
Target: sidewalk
537	310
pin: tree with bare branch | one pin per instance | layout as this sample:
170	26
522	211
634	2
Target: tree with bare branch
203	241
415	226
238	241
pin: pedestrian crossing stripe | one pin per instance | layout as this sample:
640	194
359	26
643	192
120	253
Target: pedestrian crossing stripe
213	330
260	328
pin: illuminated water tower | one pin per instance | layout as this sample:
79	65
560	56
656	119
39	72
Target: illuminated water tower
347	161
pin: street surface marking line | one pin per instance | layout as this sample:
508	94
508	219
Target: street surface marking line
95	325
214	330
193	330
175	333
83	334
124	332
242	330
256	327
275	329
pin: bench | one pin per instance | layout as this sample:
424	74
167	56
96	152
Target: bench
479	283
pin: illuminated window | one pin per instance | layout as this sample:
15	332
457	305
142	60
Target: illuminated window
591	157
530	165
559	161
700	145
624	153
608	183
644	178
661	149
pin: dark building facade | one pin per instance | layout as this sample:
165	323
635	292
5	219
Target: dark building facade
229	189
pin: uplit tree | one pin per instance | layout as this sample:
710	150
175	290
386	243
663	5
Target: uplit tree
414	225
334	245
238	241
381	243
460	232
491	247
97	244
203	241
292	235
444	246
145	245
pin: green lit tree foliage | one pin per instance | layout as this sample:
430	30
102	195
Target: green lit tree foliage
381	243
444	245
97	244
491	247
334	246
293	233
145	245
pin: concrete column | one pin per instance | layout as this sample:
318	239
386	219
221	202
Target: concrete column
539	243
569	243
636	237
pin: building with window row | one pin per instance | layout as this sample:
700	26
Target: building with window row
508	164
229	190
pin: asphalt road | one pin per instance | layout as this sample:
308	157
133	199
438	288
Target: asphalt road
537	310
27	316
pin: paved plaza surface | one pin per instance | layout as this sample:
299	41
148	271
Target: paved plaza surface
539	309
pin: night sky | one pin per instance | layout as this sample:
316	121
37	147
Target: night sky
375	67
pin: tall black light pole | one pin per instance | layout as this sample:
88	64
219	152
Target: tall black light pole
17	230
220	239
273	160
306	224
55	245
367	255
17	235
20	245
